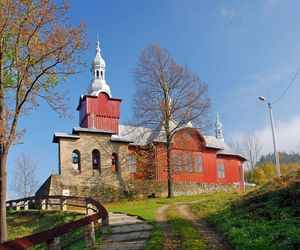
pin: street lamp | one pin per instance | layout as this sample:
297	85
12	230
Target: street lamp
273	134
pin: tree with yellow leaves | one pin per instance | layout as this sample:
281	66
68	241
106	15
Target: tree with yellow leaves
38	47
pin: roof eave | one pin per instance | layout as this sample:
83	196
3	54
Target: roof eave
67	136
76	130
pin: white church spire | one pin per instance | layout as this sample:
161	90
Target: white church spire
98	83
219	130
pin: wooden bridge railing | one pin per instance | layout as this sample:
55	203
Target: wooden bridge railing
98	216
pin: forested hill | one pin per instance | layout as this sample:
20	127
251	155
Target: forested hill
284	158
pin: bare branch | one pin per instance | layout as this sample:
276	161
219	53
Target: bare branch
168	96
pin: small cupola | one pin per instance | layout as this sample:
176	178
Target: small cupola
98	82
219	128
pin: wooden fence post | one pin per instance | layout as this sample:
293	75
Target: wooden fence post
10	206
54	244
63	204
104	225
89	210
89	235
43	204
18	206
26	204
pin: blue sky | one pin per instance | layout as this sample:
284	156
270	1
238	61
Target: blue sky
241	49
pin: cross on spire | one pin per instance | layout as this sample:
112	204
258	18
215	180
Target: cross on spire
219	128
93	120
98	82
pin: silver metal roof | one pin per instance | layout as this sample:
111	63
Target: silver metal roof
92	130
64	135
143	136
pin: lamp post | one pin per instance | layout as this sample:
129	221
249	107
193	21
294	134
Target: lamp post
273	134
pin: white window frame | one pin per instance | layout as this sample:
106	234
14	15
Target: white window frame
132	164
177	166
198	164
221	170
188	164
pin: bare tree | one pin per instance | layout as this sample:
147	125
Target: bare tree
38	48
24	177
168	96
251	148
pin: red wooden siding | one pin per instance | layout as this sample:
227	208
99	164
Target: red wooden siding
106	112
189	142
233	168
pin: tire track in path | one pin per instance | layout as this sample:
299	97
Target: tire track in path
171	239
214	240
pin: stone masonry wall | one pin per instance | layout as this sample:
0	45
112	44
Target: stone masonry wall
108	185
85	145
134	189
152	188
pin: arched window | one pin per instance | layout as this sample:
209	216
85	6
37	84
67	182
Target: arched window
96	160
115	163
101	74
76	160
97	73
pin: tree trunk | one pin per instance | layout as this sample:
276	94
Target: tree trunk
3	156
169	167
3	228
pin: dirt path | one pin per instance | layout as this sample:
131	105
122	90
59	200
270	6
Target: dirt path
170	240
213	239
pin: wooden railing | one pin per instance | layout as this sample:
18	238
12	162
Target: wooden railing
98	216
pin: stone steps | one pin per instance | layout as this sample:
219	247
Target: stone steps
126	232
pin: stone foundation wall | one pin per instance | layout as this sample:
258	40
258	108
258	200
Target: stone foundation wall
132	189
150	188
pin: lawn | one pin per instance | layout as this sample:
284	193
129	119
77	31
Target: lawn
189	237
23	223
267	218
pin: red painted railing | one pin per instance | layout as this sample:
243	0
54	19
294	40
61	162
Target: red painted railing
52	236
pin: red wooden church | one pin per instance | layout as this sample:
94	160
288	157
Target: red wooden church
100	146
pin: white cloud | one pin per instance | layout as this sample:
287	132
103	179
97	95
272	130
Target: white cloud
268	84
287	134
227	12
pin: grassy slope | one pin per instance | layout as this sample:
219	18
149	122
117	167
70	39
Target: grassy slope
147	208
24	223
268	218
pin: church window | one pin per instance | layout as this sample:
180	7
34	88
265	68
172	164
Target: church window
132	164
177	163
221	170
97	73
115	163
101	74
198	164
76	160
188	163
96	160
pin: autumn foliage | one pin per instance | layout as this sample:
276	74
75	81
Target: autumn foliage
266	172
38	48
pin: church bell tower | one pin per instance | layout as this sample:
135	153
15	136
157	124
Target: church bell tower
97	109
219	128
